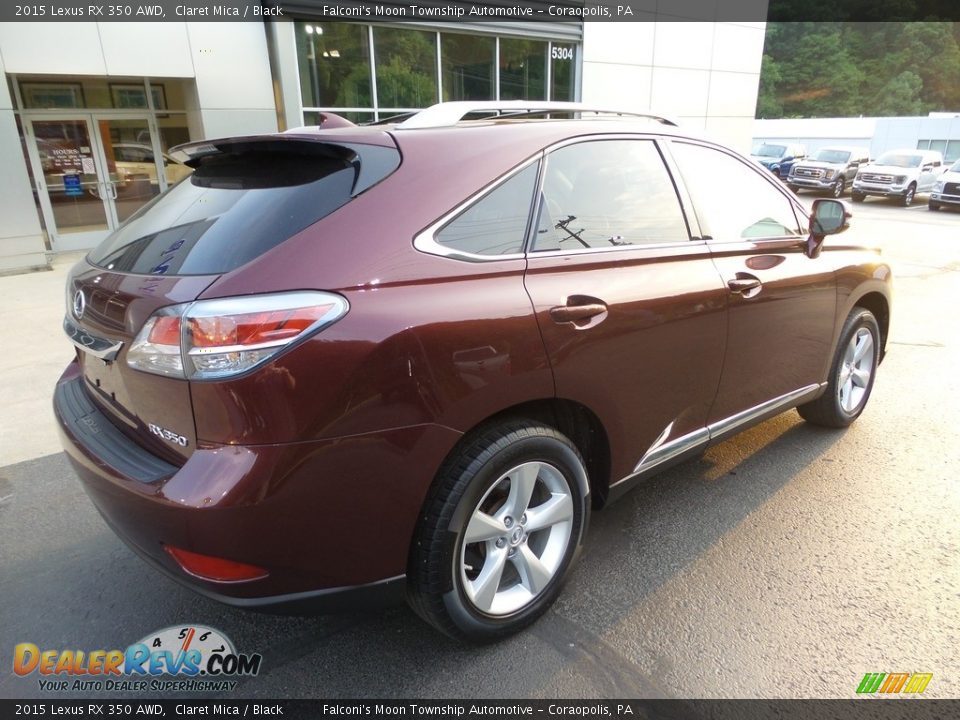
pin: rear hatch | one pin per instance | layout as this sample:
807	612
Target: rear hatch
246	196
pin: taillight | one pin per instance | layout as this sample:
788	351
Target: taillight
211	339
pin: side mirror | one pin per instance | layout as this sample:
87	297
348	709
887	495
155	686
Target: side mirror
828	217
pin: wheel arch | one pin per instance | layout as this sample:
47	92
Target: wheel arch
877	303
575	420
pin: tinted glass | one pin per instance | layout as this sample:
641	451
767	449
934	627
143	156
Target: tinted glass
496	224
736	200
523	69
832	156
232	209
773	151
607	194
896	159
406	67
467	63
334	60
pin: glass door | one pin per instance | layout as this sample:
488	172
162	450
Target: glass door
97	170
72	187
137	171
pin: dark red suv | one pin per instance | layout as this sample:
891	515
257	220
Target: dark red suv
353	363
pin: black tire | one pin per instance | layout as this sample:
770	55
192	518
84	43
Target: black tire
857	197
906	200
795	188
931	205
837	189
475	480
830	409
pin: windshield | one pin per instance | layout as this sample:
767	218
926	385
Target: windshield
955	167
773	151
832	156
903	160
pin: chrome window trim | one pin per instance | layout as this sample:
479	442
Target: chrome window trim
425	241
532	254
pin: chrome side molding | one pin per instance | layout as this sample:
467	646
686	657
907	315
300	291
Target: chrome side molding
661	452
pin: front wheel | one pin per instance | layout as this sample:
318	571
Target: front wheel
931	205
857	197
837	189
499	532
851	374
907	199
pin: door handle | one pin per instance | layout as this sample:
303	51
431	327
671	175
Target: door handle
745	284
578	311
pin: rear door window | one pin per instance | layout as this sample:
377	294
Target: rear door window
235	207
608	193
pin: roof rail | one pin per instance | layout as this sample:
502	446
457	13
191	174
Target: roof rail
450	113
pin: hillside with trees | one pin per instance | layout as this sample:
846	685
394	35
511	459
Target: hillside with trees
836	69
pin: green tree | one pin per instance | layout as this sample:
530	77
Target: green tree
847	69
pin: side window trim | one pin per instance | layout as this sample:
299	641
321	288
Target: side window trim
800	215
686	206
426	242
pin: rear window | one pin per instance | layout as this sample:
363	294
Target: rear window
238	205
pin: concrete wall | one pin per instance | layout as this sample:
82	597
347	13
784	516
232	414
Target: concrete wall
21	237
704	74
232	92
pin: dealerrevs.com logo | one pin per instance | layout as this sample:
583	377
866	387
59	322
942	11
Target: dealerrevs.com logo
894	683
176	659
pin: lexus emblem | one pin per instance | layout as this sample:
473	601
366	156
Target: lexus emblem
79	304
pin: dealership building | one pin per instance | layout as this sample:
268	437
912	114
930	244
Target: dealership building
89	109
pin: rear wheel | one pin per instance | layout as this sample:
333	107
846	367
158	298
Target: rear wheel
499	532
851	374
907	199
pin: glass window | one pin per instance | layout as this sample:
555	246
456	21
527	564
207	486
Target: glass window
953	151
496	224
735	200
233	208
523	69
406	67
467	63
561	72
940	145
605	194
334	61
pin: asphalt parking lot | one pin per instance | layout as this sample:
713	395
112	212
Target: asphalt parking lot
787	562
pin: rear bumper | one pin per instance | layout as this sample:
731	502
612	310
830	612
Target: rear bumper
331	520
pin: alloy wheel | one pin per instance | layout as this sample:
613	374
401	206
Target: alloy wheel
855	370
516	539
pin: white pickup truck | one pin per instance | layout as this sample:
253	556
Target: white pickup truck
899	173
